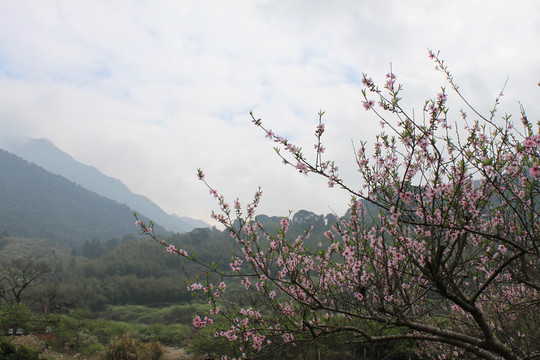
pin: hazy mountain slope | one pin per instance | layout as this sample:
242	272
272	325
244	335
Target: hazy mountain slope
45	154
36	203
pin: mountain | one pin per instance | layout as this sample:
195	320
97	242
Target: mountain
35	203
45	154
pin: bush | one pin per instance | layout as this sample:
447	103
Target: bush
153	350
105	329
127	348
172	334
14	316
72	330
9	351
92	348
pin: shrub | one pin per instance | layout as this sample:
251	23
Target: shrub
127	348
92	348
105	330
9	351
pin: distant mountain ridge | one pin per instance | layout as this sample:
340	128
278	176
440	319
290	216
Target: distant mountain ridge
45	154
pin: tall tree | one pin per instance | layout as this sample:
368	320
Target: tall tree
18	275
441	245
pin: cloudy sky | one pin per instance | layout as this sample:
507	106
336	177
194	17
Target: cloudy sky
149	91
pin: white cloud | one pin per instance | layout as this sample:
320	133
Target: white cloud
149	91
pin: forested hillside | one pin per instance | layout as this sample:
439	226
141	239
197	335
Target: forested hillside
36	203
132	269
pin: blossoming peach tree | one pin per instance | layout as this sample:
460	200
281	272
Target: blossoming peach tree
440	246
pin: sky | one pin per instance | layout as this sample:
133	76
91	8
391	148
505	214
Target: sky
150	91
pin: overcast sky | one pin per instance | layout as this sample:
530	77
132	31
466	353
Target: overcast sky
149	91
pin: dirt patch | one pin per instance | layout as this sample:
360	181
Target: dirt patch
170	353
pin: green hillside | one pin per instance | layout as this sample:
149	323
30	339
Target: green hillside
35	203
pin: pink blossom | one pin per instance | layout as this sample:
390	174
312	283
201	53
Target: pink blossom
215	311
287	309
284	224
302	167
246	283
406	197
292	148
235	265
258	342
441	98
320	129
535	171
532	141
348	253
198	322
367	81
195	286
319	148
368	104
287	337
391	79
171	249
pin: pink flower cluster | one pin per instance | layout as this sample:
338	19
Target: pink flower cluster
200	323
368	104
